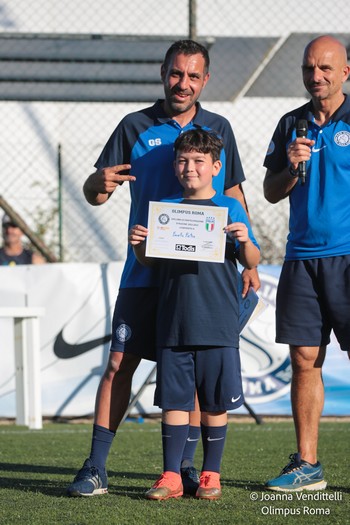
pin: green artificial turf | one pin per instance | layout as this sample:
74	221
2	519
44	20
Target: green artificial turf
36	467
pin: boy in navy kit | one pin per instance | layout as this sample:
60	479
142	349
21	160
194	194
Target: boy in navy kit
197	323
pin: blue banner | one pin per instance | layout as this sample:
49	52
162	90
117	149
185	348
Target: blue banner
75	331
266	367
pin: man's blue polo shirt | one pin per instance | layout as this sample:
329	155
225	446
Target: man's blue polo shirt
319	222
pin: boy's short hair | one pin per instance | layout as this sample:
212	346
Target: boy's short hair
199	140
187	47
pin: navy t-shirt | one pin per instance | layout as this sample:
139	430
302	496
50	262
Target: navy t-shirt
12	260
198	301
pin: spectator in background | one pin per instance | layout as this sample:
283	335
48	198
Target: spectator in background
13	252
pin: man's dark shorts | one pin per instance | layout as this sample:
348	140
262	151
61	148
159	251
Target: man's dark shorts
313	297
214	372
134	322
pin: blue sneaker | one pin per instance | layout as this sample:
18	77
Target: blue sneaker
90	481
190	480
298	475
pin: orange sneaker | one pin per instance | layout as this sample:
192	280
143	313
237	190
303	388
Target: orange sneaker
209	485
169	485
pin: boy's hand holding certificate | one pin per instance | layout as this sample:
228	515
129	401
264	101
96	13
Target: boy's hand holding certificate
180	231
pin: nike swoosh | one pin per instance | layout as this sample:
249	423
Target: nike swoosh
64	350
315	150
189	439
234	399
214	439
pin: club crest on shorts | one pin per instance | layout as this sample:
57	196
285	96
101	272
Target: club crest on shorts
123	333
266	365
209	224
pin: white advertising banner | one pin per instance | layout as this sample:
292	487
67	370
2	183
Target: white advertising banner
75	333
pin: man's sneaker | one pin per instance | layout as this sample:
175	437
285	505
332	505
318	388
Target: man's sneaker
169	485
190	480
298	475
90	481
209	486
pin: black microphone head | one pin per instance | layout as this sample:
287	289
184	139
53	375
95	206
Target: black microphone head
301	128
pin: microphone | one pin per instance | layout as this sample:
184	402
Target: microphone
301	131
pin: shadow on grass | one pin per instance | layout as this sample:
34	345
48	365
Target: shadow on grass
47	487
39	469
57	488
51	469
243	484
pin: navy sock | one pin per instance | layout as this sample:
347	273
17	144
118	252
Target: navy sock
190	447
213	439
173	439
101	443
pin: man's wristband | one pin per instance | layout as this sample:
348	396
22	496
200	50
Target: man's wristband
292	172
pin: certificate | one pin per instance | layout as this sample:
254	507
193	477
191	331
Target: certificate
186	231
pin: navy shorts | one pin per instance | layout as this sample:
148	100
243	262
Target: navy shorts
215	372
134	322
313	297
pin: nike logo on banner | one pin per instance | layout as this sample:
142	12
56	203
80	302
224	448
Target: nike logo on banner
234	399
64	350
315	150
214	439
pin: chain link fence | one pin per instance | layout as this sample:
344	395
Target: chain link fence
70	71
